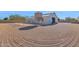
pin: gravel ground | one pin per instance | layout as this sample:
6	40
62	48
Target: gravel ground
28	35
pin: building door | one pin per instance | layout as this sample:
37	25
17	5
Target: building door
53	20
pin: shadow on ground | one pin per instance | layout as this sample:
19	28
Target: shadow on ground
27	28
32	27
49	24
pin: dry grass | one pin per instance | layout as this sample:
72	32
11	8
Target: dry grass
6	27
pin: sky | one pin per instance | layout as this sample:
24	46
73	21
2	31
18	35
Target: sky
60	14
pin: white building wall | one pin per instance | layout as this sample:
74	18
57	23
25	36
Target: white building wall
47	19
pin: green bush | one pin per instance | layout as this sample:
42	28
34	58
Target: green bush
68	19
13	19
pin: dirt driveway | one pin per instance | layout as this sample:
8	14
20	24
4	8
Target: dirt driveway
27	35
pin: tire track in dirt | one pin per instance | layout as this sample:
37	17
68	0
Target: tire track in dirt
60	35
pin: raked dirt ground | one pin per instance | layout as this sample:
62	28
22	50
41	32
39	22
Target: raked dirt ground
27	35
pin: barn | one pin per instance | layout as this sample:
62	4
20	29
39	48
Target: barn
44	19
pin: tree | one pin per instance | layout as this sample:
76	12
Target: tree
5	18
